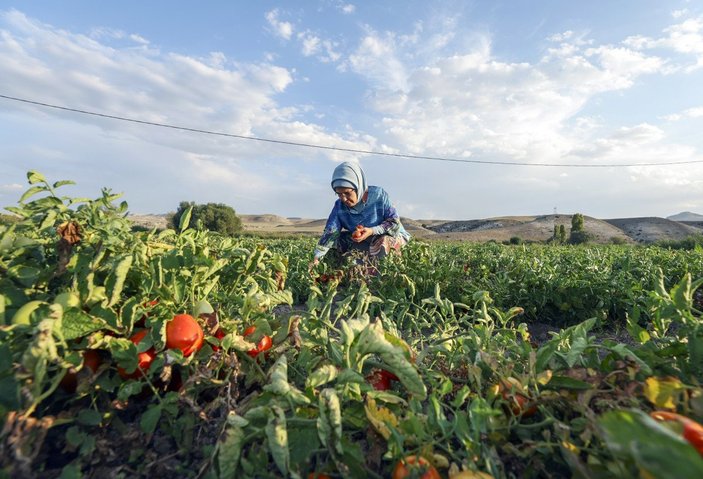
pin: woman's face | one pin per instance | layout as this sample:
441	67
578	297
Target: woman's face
347	196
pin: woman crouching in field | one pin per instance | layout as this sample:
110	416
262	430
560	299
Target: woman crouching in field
363	218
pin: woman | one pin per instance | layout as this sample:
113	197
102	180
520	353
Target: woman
363	217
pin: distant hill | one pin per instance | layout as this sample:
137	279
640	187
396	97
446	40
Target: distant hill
685	216
528	228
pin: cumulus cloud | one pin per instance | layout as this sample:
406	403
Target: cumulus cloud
280	28
215	93
684	39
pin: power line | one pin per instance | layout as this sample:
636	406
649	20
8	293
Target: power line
335	148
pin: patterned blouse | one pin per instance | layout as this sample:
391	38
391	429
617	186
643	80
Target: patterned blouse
378	213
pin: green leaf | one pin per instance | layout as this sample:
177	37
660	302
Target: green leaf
329	422
277	436
31	192
77	324
116	279
372	340
150	419
89	417
566	382
27	276
62	183
653	447
35	177
185	219
228	452
321	376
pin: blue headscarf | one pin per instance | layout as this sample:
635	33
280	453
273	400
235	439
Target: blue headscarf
350	175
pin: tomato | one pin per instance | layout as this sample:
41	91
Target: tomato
389	375
264	343
91	359
318	475
518	403
183	332
358	232
413	466
692	431
219	334
378	380
144	359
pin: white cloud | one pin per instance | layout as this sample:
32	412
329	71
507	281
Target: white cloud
280	28
695	112
213	93
348	8
684	39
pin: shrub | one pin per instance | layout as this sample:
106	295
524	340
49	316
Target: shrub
212	216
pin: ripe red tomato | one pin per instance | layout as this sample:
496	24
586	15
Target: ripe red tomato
92	359
358	232
219	334
183	332
379	381
318	475
413	466
518	403
692	431
264	343
144	359
389	375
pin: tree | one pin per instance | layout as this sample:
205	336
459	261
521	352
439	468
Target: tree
562	234
212	216
578	234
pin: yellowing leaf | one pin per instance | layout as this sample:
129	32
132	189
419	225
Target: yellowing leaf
544	377
663	392
380	417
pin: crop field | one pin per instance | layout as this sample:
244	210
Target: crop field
189	354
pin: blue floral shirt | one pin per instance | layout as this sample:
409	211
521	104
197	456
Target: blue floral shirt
378	213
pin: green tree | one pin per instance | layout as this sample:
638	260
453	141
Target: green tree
212	216
578	234
562	234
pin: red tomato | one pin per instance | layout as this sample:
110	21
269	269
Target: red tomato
413	466
264	343
144	359
379	381
318	475
219	334
518	403
692	431
183	332
91	359
389	375
358	232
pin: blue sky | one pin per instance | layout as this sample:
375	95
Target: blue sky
550	82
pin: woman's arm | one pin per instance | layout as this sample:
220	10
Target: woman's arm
391	219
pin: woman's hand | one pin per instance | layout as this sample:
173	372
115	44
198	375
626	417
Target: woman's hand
312	264
361	233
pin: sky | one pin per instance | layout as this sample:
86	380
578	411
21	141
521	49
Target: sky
497	87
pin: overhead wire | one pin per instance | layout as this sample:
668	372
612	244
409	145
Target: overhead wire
342	149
